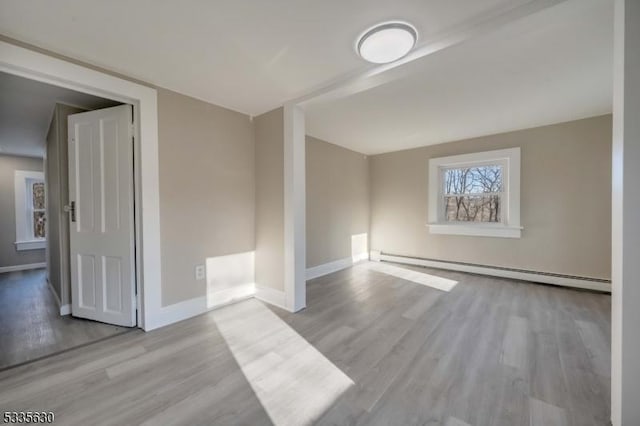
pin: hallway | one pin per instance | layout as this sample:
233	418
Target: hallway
30	323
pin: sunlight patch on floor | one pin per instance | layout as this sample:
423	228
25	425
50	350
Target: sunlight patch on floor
422	278
294	382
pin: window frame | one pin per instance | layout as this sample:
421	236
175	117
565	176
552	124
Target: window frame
509	226
25	237
31	208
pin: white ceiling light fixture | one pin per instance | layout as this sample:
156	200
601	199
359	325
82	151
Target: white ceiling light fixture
387	42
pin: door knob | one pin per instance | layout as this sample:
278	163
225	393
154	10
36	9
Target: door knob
71	209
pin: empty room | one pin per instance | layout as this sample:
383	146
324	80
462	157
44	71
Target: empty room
332	213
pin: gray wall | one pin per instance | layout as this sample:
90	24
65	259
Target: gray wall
207	184
214	191
269	137
207	189
337	188
565	201
57	178
9	256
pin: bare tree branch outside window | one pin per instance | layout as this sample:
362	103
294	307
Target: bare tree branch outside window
38	209
473	194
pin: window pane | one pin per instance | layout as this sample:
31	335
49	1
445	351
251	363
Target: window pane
473	180
37	190
472	208
38	224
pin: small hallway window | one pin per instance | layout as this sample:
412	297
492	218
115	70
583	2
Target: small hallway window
30	203
37	208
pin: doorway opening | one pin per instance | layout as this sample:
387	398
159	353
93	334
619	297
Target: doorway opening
37	317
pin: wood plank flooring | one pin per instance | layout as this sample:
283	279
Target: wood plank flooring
30	323
370	349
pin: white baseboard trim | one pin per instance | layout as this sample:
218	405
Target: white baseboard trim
53	292
328	268
64	309
199	305
360	257
178	312
23	267
556	279
231	295
335	266
271	296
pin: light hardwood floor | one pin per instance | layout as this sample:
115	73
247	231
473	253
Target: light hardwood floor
371	348
30	322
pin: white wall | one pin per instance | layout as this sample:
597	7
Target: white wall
625	345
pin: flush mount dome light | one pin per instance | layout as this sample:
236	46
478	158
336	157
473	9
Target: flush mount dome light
387	42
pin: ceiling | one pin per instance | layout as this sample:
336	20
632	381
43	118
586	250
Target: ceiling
26	109
247	55
550	67
252	56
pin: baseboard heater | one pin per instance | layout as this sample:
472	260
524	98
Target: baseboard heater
597	284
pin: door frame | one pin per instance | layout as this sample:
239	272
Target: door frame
27	63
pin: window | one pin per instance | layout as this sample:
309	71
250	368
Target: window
473	194
476	194
30	199
36	208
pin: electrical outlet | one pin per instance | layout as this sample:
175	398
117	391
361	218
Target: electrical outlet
200	272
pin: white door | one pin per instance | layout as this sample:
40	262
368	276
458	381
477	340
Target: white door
101	231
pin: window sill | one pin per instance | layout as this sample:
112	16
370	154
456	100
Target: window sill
30	245
475	230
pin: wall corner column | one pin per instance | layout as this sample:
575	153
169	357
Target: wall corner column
294	208
625	338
